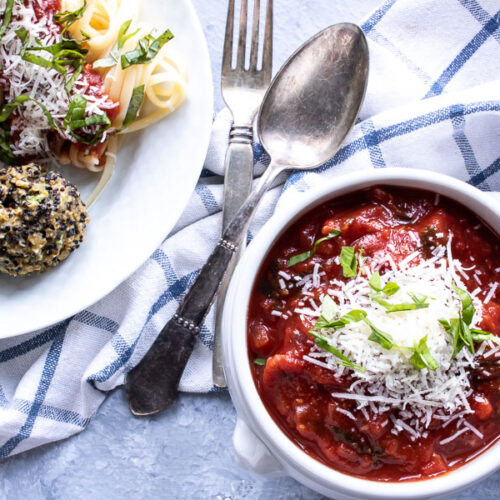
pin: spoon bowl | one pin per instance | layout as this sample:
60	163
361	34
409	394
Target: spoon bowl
315	98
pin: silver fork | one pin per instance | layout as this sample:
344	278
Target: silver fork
242	89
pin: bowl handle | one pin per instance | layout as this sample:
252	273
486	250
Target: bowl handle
252	454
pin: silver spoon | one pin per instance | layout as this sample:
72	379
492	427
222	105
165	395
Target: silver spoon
306	114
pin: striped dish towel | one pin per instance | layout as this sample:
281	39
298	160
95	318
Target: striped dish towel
433	102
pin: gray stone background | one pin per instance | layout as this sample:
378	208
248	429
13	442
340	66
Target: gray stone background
185	453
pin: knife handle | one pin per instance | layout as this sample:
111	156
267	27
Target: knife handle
237	186
164	363
152	385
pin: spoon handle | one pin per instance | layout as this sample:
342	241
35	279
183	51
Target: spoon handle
152	385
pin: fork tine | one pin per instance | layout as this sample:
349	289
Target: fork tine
267	56
242	42
255	35
227	57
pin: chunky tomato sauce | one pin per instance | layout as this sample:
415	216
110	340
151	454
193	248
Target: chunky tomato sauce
298	394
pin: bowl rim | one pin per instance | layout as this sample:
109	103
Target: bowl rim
237	364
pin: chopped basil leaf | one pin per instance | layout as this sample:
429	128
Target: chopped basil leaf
468	309
113	57
260	361
378	336
122	37
466	335
23	35
69	17
418	298
391	288
460	333
322	342
422	357
348	262
134	106
458	328
389	308
7	16
354	316
446	324
109	61
482	336
376	283
146	49
71	82
456	335
328	308
101	119
76	119
327	318
301	257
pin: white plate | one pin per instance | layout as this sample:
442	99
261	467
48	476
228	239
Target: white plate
155	174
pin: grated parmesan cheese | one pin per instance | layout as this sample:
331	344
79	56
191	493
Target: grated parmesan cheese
390	383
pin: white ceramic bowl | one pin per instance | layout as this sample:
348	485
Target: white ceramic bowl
259	443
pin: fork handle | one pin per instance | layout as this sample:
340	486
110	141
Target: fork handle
237	185
152	385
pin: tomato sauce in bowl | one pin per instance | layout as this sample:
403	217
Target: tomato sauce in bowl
342	415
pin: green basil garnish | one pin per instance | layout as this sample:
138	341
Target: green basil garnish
68	18
7	17
329	313
482	336
422	357
378	336
375	282
462	336
348	262
134	106
260	361
468	309
146	49
76	119
418	303
301	257
322	342
113	57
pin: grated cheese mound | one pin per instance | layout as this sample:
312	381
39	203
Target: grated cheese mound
391	383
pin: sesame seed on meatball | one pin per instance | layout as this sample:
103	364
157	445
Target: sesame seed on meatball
42	219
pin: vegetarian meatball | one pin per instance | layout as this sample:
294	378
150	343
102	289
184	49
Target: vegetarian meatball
42	219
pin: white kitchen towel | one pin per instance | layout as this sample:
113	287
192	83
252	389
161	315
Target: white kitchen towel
433	102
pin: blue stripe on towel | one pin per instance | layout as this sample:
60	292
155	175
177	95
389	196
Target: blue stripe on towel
470	161
377	16
396	130
465	54
33	343
480	14
45	380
